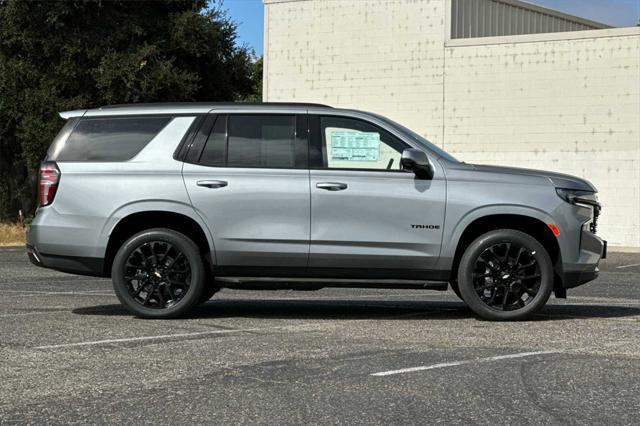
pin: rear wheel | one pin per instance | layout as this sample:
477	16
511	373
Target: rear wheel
159	273
505	275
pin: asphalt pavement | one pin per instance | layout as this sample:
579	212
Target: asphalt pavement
70	354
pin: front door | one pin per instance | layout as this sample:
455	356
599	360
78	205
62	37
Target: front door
247	176
366	212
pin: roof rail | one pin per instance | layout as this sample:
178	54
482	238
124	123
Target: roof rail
213	104
65	115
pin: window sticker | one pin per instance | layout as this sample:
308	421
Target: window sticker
350	145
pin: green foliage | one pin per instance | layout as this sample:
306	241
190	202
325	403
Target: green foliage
256	77
56	56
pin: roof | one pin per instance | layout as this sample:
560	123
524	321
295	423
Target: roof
187	108
491	18
556	13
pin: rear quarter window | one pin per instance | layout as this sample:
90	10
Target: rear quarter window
107	139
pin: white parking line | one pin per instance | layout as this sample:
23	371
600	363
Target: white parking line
82	293
49	281
21	314
627	266
168	336
587	301
456	363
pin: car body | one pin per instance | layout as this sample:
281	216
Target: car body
296	196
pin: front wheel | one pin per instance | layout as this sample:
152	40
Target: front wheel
209	291
505	275
456	289
159	273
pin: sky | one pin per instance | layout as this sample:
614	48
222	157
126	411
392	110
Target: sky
249	14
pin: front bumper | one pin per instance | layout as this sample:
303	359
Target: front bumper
592	250
575	278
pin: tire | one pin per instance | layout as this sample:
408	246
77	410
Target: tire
209	290
456	289
505	275
159	273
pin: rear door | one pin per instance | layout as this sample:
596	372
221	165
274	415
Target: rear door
247	176
366	212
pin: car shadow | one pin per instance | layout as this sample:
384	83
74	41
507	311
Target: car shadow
358	309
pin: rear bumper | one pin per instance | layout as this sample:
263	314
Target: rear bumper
91	266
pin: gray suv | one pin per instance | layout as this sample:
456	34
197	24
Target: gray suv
175	201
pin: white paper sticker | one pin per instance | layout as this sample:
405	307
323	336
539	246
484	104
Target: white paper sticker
355	146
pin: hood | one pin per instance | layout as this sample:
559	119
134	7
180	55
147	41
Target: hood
559	180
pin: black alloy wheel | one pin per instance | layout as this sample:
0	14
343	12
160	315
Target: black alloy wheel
159	273
505	275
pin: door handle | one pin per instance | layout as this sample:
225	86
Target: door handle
331	186
212	183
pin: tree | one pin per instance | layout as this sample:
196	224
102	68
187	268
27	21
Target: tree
256	77
82	54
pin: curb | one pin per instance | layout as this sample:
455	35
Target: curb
12	248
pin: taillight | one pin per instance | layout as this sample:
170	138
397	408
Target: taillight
48	184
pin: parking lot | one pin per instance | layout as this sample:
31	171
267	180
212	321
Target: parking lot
70	354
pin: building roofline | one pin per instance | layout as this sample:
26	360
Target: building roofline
555	13
517	3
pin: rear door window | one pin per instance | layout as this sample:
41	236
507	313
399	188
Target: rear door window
271	141
261	141
107	139
215	150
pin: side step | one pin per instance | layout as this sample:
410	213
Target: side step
310	284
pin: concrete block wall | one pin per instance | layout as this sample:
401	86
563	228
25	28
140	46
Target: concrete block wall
568	102
365	54
570	105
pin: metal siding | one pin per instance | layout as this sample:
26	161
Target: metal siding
453	17
466	14
513	20
488	18
485	13
479	28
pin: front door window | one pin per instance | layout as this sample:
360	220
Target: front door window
354	144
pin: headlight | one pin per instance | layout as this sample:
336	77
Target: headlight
584	199
573	196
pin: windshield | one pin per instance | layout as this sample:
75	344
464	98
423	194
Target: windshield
420	140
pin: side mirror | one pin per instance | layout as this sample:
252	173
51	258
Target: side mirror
417	161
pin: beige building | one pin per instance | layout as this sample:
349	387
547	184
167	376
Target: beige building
566	101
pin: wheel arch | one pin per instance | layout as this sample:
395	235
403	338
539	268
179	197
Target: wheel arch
531	224
181	219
